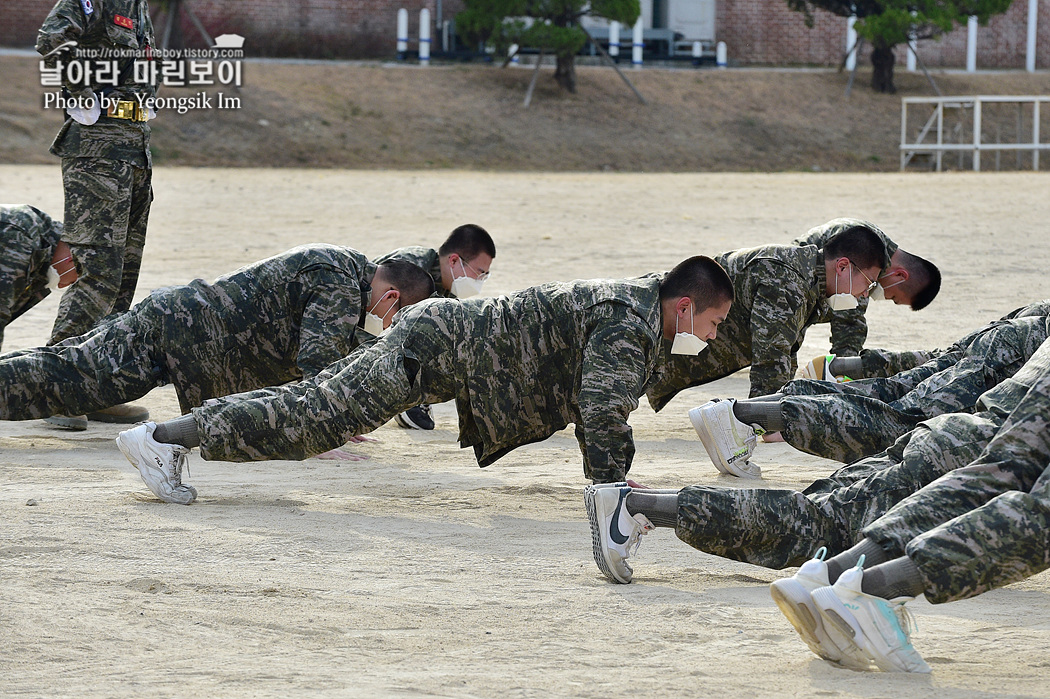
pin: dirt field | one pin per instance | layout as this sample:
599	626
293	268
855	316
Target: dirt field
376	116
417	574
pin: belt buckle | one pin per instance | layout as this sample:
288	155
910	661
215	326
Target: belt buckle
127	109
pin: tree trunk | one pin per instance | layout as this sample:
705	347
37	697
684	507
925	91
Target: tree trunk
565	72
882	60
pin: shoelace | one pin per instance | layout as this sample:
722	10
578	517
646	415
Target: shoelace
906	619
635	539
179	462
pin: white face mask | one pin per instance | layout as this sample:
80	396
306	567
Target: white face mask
374	325
687	343
843	302
53	278
879	292
465	287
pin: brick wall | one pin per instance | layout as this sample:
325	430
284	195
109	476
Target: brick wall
755	31
766	31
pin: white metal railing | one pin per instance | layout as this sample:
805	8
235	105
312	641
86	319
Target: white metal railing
976	145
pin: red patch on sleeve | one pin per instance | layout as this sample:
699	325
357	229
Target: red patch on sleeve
123	22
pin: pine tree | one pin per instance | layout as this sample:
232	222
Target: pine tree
550	25
887	23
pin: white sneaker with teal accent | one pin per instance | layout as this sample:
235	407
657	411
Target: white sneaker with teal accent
793	597
729	442
879	627
615	533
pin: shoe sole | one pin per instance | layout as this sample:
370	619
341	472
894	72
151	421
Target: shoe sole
597	547
696	416
67	423
796	604
126	451
833	612
118	419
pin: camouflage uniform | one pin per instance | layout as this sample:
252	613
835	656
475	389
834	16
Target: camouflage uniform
780	291
777	528
27	237
884	363
106	167
271	322
520	368
849	329
988	524
426	259
849	421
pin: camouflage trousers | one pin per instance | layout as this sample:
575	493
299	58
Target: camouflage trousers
112	364
777	528
849	421
414	362
985	525
882	362
106	210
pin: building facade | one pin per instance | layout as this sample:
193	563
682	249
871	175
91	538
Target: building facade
756	32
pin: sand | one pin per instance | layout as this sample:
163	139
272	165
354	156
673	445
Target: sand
417	573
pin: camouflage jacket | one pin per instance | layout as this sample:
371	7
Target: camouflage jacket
27	238
102	25
780	291
426	259
566	352
271	322
849	329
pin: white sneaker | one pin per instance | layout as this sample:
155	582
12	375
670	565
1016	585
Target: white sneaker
729	442
615	534
879	627
793	597
160	465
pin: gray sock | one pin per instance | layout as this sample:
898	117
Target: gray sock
181	431
765	414
872	552
852	367
660	508
897	578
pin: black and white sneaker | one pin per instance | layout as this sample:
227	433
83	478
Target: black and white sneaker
615	534
418	418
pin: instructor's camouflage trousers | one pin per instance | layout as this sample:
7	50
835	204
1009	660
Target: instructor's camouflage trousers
107	208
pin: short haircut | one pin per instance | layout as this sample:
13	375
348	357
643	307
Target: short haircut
414	283
701	279
924	280
468	241
860	244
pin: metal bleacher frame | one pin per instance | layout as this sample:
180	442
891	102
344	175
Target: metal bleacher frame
975	146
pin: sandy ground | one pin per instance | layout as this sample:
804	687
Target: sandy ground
416	573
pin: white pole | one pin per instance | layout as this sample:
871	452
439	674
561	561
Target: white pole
977	135
971	45
402	33
912	48
721	54
424	37
697	52
614	39
514	57
637	44
851	42
1033	12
